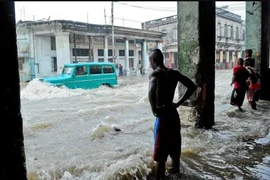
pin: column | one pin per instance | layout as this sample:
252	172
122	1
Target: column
197	57
90	56
227	59
234	56
159	45
239	54
220	59
105	48
127	54
145	62
62	50
12	143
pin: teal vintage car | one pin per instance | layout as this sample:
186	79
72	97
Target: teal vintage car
85	75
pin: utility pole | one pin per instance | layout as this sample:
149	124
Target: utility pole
112	35
23	13
105	16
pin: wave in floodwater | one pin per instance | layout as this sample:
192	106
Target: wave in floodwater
107	133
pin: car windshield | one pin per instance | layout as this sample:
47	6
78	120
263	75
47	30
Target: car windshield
67	70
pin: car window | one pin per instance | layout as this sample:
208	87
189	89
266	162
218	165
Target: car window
67	70
108	69
95	70
80	70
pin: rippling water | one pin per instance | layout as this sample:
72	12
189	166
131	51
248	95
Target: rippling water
70	134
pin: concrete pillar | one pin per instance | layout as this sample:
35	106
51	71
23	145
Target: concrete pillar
257	26
221	56
196	45
227	59
126	54
11	134
105	48
145	62
90	56
159	45
239	55
62	50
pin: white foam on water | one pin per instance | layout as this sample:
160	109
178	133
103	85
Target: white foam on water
69	134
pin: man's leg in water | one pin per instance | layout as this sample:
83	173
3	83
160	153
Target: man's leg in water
160	170
175	152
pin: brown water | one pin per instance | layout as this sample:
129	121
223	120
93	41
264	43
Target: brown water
69	134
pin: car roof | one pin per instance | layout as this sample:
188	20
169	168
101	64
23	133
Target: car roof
89	63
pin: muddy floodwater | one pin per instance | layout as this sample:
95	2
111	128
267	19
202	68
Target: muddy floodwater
70	134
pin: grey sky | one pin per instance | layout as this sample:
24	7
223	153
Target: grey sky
125	15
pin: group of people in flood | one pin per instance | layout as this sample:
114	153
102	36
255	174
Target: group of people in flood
245	80
162	84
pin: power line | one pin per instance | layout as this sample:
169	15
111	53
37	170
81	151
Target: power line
125	19
146	8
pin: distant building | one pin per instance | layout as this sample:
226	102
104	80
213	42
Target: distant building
45	46
230	38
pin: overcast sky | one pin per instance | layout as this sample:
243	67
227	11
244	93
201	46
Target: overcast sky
129	14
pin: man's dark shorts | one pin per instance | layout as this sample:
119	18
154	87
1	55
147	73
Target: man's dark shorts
167	137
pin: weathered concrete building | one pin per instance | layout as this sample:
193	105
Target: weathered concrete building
230	37
45	46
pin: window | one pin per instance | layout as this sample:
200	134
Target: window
108	69
237	33
67	70
110	52
131	41
131	63
80	70
131	52
110	60
53	43
219	29
95	70
100	52
244	35
225	30
100	60
54	64
80	52
20	63
119	41
121	52
231	31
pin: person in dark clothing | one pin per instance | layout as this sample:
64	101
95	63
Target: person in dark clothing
254	89
240	76
120	70
167	138
249	58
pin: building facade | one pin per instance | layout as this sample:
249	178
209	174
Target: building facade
45	46
230	38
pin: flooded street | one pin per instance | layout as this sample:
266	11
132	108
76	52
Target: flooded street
70	134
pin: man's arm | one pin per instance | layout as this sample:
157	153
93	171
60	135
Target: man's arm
233	79
152	92
190	85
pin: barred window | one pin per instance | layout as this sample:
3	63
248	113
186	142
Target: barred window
20	63
100	52
54	64
121	52
53	43
100	60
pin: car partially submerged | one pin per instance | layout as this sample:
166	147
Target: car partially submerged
85	76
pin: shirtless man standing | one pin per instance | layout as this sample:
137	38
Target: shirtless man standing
167	138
